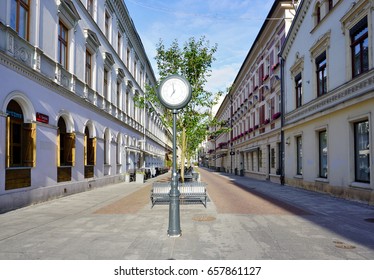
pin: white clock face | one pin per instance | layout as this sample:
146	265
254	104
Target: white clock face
175	92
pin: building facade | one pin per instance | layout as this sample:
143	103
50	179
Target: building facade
252	107
70	74
329	98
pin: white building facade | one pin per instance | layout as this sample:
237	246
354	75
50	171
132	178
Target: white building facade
70	74
329	98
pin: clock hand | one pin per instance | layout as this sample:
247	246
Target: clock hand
173	90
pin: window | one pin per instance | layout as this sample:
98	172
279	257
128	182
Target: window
323	152
105	83
331	5
272	158
262	114
272	107
259	159
321	74
65	152
119	95
299	156
128	58
66	143
88	78
317	14
362	151
62	45
89	154
359	47
21	138
90	7
19	20
135	66
107	25
299	90
127	107
119	44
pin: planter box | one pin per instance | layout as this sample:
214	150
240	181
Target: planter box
139	177
127	177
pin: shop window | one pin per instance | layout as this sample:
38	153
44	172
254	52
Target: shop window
66	152
323	154
20	148
89	154
21	138
362	151
299	155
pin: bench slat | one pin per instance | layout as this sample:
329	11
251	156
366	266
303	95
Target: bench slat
190	191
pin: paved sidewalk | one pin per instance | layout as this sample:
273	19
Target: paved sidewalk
117	222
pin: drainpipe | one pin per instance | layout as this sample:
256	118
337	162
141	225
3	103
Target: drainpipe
231	133
282	160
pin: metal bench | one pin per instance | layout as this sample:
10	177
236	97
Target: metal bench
190	193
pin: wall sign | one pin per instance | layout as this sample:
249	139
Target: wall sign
42	118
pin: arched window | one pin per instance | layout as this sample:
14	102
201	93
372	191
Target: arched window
89	154
66	151
21	138
20	148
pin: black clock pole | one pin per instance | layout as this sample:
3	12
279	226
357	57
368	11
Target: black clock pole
174	215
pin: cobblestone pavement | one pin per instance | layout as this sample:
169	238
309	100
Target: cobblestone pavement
244	219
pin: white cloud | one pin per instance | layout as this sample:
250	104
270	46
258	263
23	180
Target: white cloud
221	78
232	24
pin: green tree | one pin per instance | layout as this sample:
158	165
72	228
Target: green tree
193	61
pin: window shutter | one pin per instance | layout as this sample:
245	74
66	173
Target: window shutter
58	160
29	144
7	159
70	149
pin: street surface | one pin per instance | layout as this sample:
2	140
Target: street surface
244	219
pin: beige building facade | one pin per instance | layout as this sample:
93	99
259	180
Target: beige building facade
329	99
252	108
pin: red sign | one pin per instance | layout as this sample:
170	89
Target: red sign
42	118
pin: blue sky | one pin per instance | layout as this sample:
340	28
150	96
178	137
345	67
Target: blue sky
231	24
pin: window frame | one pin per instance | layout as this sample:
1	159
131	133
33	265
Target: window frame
357	151
107	19
299	90
321	68
26	6
63	41
355	30
106	84
90	7
88	69
320	155
299	155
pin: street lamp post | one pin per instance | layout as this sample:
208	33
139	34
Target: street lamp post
174	94
174	215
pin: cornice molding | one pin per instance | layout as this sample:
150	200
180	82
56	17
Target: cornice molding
356	88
